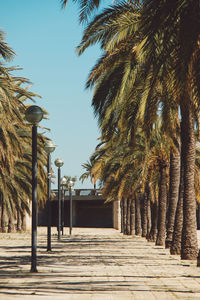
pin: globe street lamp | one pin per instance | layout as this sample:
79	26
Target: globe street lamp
34	115
70	185
63	182
49	147
59	163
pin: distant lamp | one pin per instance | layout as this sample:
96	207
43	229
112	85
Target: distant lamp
63	181
71	183
49	146
59	163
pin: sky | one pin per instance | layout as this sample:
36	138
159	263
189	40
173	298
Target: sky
44	38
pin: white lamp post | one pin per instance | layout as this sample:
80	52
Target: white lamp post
49	147
63	182
59	163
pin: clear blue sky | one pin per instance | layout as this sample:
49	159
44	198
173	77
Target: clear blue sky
44	38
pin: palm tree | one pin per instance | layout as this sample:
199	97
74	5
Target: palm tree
168	61
15	158
88	167
180	55
86	8
158	62
5	51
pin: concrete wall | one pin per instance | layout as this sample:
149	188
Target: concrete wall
89	210
86	213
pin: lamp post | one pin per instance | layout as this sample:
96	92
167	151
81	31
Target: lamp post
59	163
70	185
49	147
63	182
34	115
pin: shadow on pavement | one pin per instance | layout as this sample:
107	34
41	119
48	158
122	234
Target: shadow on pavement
85	265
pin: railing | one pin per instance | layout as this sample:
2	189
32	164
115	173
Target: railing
81	192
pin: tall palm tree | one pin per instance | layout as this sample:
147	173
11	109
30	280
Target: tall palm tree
180	83
180	55
15	157
167	59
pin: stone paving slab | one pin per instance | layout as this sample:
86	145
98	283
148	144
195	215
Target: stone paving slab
94	264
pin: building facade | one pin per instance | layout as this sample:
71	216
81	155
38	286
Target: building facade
89	208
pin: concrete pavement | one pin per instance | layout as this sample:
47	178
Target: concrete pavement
94	264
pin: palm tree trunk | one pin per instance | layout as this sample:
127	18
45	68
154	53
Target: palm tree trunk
0	216
23	221
154	221
19	222
173	194
125	216
189	246
138	228
132	210
128	220
198	216
122	214
3	217
160	241
23	218
175	248
143	203
11	226
148	210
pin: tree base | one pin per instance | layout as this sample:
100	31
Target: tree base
168	244
160	242
175	251
189	254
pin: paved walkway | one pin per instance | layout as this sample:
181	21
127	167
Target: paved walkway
94	264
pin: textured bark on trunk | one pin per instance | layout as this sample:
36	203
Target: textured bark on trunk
160	241
3	217
128	220
138	228
23	223
175	248
23	218
198	216
0	216
189	246
143	203
132	215
154	221
148	210
125	215
19	222
122	214
11	226
173	194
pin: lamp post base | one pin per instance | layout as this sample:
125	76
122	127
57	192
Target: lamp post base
33	270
